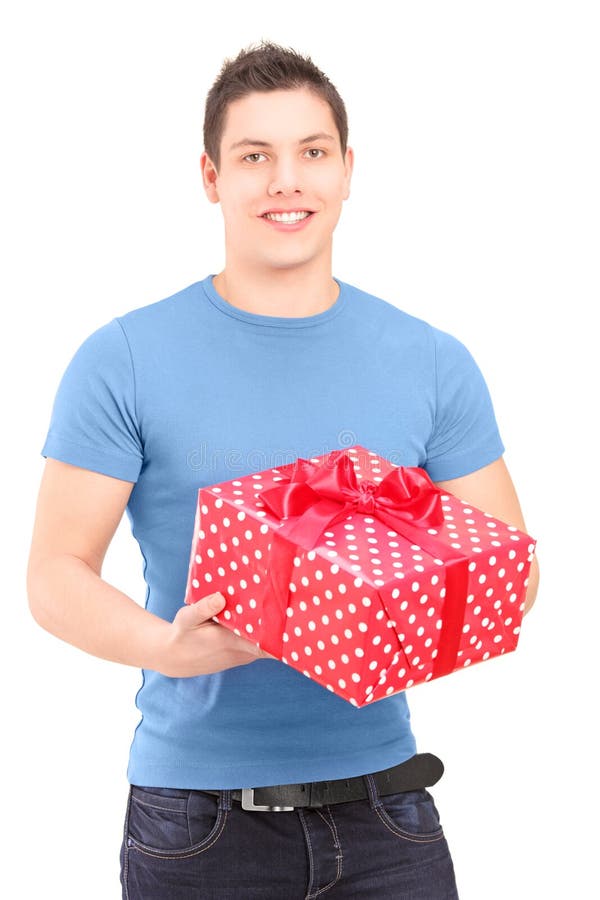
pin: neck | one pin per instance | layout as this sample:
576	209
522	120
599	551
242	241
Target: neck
293	291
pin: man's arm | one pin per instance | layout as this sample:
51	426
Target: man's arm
491	489
77	514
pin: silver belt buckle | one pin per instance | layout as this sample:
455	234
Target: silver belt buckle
248	803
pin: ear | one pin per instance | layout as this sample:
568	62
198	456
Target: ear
209	177
348	167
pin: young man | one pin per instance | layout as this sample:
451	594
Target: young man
269	360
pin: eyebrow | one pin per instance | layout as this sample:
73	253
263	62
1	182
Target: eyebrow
249	142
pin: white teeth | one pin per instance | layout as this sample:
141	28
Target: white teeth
287	217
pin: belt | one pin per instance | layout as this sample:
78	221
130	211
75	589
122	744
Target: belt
420	771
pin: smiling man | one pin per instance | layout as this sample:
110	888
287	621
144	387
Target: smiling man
271	359
281	193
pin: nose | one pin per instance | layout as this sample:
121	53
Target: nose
286	178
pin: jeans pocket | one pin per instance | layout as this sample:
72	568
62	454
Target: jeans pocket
412	815
173	823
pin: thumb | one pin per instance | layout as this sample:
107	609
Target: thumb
203	609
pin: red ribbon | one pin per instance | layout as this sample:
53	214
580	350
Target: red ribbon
318	495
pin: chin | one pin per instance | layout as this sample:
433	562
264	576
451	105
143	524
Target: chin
284	264
293	260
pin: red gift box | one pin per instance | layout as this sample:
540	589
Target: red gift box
360	574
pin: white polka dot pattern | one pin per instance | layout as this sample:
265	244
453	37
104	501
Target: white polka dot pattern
366	606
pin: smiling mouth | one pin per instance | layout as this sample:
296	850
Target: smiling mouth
289	218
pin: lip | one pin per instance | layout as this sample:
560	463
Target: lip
288	226
278	209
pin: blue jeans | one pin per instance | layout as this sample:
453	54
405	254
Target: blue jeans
185	844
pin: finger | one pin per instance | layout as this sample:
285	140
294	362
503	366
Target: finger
201	610
263	653
250	646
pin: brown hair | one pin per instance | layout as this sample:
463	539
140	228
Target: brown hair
266	67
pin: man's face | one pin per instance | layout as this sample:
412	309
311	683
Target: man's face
280	151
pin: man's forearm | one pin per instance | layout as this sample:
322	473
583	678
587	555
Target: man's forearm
68	599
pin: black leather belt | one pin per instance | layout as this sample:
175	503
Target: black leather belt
420	771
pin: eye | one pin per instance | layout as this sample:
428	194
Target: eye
315	150
250	155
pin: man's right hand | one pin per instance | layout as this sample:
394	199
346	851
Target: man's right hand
197	645
68	597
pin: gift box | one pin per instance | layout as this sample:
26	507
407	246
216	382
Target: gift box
360	574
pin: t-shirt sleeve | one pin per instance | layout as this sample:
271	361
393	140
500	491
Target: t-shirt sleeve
465	435
93	423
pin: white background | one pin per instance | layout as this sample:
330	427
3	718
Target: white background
475	206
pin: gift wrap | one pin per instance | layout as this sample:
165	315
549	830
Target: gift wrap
359	573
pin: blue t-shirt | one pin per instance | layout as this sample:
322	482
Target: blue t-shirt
191	391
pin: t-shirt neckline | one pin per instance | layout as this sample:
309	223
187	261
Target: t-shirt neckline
274	321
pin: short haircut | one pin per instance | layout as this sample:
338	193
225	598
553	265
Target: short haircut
266	67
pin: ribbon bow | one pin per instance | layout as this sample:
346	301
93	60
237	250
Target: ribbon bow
318	495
